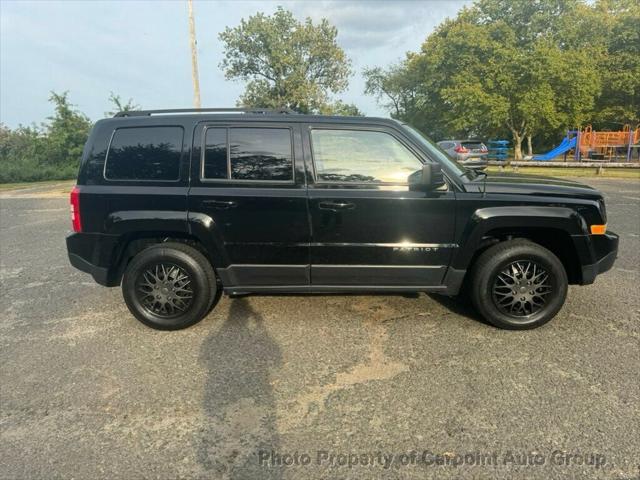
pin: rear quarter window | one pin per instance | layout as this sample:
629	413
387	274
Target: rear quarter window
145	154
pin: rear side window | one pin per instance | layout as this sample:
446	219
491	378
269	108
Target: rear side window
144	153
263	154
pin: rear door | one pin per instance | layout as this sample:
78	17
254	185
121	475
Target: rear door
369	228
248	179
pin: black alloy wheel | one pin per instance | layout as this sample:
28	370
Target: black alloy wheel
165	289
170	285
521	288
518	284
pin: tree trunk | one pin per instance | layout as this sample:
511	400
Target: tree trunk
517	146
529	148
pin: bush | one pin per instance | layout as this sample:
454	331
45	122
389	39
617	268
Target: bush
29	154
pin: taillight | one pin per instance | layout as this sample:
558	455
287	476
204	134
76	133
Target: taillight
460	149
74	199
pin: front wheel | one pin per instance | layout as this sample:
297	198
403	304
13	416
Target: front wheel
518	285
169	286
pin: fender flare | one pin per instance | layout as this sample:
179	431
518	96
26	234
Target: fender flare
202	227
484	220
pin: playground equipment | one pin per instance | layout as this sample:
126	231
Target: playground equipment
498	150
566	145
597	145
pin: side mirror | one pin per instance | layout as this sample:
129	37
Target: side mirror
429	178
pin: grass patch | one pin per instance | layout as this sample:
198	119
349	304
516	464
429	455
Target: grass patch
20	185
633	173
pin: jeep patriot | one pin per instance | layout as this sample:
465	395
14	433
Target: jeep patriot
179	206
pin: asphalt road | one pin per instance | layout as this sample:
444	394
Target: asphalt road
87	392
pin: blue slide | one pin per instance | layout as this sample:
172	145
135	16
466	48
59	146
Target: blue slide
564	146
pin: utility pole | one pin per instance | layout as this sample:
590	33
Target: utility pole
194	57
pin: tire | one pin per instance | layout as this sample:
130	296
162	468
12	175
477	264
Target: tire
170	286
215	298
503	276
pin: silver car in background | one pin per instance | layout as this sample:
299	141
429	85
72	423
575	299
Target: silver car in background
470	153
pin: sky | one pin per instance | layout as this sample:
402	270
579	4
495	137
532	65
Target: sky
140	49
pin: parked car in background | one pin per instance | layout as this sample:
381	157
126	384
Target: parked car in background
471	153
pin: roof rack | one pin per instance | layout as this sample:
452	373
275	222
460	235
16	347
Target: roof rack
262	111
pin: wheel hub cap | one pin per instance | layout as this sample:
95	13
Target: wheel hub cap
520	288
165	290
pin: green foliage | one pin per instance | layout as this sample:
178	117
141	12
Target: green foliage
51	152
286	63
393	87
20	153
521	68
341	108
120	105
66	132
620	64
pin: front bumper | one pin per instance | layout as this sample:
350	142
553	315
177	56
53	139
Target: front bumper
604	250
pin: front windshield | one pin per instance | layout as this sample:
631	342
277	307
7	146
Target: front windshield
435	151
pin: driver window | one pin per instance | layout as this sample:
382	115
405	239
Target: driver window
361	156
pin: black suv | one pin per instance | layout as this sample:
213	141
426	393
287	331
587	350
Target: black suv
180	206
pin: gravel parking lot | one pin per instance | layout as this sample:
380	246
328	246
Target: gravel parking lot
376	386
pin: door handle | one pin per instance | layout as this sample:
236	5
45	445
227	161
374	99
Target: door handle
220	204
335	206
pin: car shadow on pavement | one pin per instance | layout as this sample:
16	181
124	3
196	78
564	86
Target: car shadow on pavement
239	408
460	306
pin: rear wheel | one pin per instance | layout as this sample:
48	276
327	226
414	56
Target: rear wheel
518	285
170	286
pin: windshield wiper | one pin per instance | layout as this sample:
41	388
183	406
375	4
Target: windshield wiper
476	172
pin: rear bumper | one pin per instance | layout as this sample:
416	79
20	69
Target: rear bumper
94	254
465	157
604	252
99	274
476	163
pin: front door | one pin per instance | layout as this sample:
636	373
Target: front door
248	185
368	227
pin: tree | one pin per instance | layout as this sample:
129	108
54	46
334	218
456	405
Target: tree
49	152
66	132
120	105
391	87
286	63
619	102
21	153
500	66
341	108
